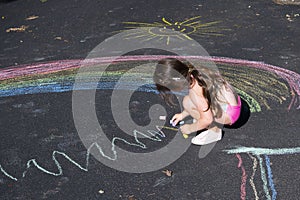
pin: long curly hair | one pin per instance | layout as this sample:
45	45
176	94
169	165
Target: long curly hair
174	75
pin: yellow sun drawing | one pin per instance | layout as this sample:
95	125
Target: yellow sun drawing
159	30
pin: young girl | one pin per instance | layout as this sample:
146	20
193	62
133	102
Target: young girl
211	101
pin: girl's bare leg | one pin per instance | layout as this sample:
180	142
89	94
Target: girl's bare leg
191	109
213	134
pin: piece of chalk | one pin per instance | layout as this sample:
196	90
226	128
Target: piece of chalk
173	123
162	117
185	136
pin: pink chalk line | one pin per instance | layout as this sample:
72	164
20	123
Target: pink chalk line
244	177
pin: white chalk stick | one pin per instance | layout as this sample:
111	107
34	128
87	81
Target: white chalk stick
173	124
162	117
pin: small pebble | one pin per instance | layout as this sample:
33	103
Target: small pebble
101	191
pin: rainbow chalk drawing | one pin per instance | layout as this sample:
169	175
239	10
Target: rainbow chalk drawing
272	84
256	155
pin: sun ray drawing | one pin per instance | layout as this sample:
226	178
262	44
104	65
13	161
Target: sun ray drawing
167	29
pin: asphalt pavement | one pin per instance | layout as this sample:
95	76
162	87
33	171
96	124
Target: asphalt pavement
43	154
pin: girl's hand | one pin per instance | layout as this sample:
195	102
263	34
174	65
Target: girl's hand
185	129
176	118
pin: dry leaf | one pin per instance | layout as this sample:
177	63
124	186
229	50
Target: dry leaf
287	2
32	17
167	172
17	29
131	197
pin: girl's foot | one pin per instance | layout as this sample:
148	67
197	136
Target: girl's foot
207	137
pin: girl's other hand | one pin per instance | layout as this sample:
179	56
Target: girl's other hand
176	118
185	129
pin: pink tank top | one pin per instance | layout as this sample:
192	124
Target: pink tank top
234	111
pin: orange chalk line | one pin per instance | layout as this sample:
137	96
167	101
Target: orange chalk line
254	168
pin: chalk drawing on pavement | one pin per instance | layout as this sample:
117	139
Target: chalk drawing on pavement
191	26
259	84
153	135
260	158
